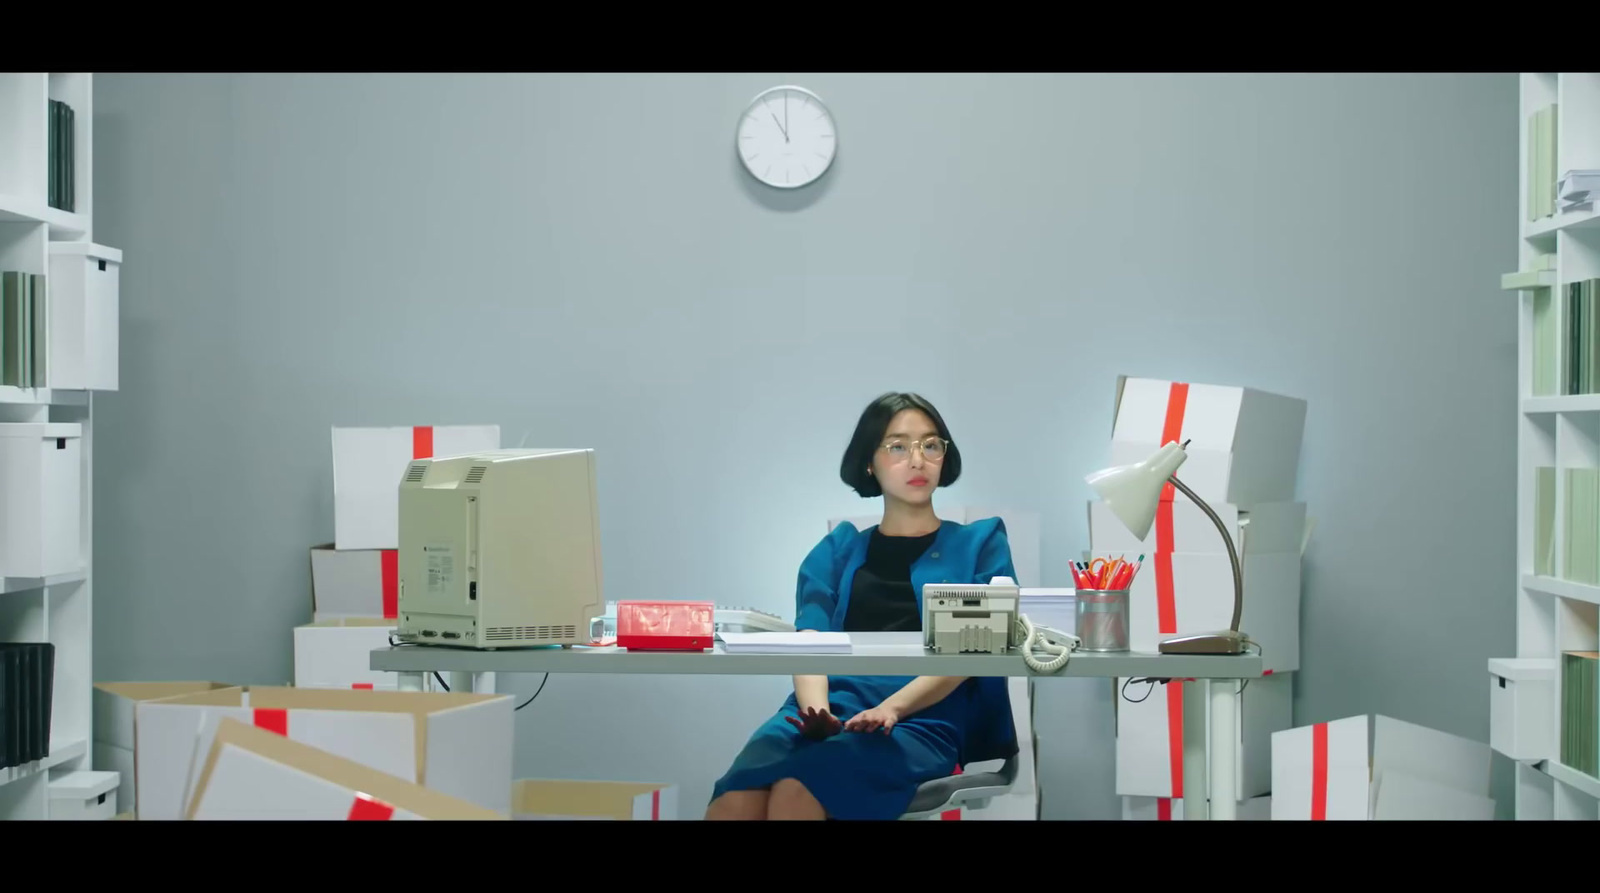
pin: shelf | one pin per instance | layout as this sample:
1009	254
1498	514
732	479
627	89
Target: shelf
1555	586
43	396
1572	778
64	225
28	584
59	755
1570	220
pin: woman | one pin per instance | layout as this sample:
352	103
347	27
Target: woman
857	747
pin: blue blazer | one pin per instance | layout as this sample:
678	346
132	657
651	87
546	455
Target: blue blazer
961	553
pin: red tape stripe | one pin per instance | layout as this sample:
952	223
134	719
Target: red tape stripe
655	806
366	809
273	720
1319	772
1163	809
390	562
366	685
1166	592
422	442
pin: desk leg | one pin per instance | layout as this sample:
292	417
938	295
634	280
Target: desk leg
1194	750
1223	749
411	681
482	683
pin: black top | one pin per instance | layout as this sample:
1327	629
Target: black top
881	597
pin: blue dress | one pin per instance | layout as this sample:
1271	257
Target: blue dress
857	775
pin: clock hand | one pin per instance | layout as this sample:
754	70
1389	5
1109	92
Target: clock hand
786	117
780	125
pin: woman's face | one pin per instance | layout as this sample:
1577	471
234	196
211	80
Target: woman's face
901	465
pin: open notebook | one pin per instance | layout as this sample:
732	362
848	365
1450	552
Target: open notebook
785	643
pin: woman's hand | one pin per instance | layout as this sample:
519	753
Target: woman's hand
815	724
878	718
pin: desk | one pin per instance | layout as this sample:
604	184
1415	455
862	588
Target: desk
875	654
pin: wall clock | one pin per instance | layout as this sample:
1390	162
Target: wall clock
786	138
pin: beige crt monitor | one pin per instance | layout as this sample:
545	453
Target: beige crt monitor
500	549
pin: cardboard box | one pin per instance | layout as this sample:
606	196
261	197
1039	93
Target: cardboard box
354	583
368	464
549	799
1374	767
112	704
253	774
1151	733
41	479
1199	598
1165	809
1244	444
337	654
457	743
1522	707
1262	528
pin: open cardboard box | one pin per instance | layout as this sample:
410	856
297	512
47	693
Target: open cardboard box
251	773
457	743
1376	767
113	708
550	799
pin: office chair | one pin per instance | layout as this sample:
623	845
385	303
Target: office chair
972	788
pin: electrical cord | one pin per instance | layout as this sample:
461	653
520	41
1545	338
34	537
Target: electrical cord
1154	679
440	679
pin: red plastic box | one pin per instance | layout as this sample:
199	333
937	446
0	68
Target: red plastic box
665	626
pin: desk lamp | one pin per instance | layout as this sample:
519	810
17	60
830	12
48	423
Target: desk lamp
1133	492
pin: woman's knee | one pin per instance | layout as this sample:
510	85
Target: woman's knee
738	806
791	800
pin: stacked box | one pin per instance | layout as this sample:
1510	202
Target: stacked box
1243	453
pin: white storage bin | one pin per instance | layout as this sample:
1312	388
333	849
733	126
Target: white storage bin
79	796
1522	707
84	316
41	482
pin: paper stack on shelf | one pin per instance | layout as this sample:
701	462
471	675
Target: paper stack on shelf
1578	189
1243	457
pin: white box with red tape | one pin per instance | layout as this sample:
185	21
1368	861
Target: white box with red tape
1166	809
368	464
456	743
337	653
249	773
1153	720
354	583
1244	443
1375	767
113	705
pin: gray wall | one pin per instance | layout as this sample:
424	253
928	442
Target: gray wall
579	259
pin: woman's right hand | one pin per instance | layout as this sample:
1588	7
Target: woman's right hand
816	724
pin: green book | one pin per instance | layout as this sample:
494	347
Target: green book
11	331
1544	521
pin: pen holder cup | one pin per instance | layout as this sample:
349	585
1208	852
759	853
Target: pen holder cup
1102	619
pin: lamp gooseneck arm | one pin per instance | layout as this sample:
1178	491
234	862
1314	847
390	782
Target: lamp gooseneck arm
1227	539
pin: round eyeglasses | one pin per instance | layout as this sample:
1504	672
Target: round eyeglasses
933	449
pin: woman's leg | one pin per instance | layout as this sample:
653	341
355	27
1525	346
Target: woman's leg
790	801
738	806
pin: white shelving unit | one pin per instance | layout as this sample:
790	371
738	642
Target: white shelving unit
1556	429
56	608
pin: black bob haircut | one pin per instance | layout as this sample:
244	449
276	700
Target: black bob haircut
870	430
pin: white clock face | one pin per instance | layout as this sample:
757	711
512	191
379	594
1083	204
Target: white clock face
786	138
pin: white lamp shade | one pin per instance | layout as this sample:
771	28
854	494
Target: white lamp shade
1134	491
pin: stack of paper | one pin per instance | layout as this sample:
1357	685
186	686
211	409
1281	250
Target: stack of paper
1578	189
1055	608
785	643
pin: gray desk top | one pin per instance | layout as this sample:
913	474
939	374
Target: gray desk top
875	654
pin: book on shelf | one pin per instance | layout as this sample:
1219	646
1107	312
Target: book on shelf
1541	157
1583	526
23	328
1580	711
1544	521
1580	374
62	188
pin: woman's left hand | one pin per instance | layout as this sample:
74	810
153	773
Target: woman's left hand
878	718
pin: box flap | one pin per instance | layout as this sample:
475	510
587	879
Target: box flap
360	779
599	799
342	621
1523	669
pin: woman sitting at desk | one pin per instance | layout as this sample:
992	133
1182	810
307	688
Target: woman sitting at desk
858	747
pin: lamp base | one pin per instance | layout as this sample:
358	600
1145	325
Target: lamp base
1225	642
